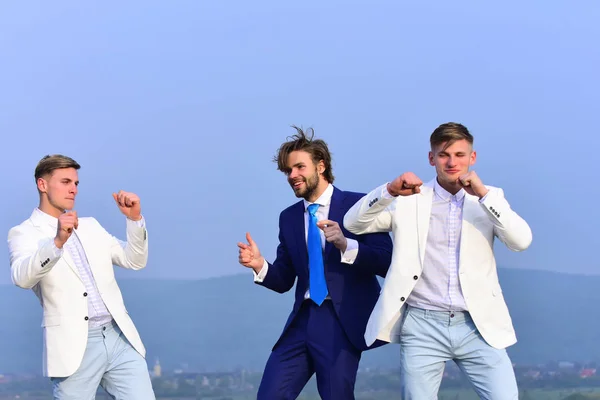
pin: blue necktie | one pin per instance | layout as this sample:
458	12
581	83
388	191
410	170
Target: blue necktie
318	286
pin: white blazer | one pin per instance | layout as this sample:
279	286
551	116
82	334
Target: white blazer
57	284
408	219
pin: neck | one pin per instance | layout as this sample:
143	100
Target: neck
49	209
450	187
317	193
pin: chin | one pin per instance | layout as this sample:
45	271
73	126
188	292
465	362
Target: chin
454	176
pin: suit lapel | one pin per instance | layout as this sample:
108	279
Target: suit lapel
299	229
469	208
48	229
69	260
335	214
84	240
424	201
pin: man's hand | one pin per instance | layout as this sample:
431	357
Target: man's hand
66	223
472	184
333	234
250	255
129	204
405	185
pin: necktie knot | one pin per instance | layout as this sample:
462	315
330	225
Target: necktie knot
312	209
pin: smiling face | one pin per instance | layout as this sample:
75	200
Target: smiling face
58	190
304	176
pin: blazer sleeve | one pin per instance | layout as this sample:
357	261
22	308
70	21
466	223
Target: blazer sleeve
372	213
374	253
509	227
30	260
132	253
281	275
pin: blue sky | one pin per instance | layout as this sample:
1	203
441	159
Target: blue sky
185	103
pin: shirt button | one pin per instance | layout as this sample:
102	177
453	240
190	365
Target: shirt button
402	299
415	277
452	315
84	294
86	318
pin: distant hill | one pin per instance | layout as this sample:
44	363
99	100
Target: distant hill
229	322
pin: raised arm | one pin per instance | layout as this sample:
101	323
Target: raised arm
509	227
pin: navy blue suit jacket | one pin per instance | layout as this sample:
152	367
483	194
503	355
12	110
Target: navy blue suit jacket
353	288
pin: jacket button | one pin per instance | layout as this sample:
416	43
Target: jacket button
84	294
86	318
415	277
402	299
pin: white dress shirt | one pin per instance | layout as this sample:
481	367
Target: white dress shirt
439	288
324	201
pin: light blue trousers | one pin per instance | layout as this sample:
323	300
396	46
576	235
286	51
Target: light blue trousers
430	338
111	362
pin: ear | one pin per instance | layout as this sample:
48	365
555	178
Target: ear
431	159
321	167
42	185
473	157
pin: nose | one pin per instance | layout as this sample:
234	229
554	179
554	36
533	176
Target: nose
293	174
451	161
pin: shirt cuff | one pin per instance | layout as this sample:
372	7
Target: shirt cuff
481	200
349	256
56	252
141	223
385	194
258	278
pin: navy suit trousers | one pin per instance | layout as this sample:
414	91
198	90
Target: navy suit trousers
315	343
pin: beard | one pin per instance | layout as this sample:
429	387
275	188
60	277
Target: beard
311	184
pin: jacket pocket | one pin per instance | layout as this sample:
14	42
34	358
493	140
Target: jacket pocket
51	320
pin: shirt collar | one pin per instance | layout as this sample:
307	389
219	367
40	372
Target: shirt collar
446	195
323	200
47	218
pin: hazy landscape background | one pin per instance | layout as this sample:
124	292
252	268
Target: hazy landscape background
230	323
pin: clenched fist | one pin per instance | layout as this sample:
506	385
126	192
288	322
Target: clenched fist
472	184
129	204
405	185
66	223
333	234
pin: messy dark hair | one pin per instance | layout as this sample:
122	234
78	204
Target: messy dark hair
304	141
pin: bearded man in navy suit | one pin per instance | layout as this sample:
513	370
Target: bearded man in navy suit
336	273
